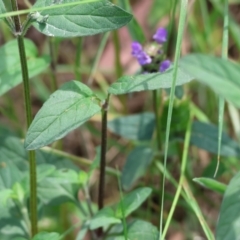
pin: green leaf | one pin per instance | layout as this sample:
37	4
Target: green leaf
66	109
44	170
220	75
136	230
59	187
66	176
10	221
152	81
136	165
79	20
134	127
5	194
14	166
13	153
104	218
142	230
19	238
132	201
10	67
205	136
9	175
46	235
211	184
18	192
229	217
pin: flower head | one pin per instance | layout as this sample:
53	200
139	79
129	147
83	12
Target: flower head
143	58
164	65
136	48
160	36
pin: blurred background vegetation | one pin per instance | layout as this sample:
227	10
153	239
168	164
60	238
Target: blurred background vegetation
203	34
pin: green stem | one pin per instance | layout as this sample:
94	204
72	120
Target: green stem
103	154
28	110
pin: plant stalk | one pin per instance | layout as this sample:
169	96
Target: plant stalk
28	112
103	154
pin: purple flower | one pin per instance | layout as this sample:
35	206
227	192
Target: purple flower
143	58
136	48
164	65
160	36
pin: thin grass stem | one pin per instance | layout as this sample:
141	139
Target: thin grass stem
221	100
188	197
183	14
183	167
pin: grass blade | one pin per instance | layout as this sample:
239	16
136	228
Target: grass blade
183	14
183	167
221	100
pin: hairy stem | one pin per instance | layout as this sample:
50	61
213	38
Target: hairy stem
28	111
